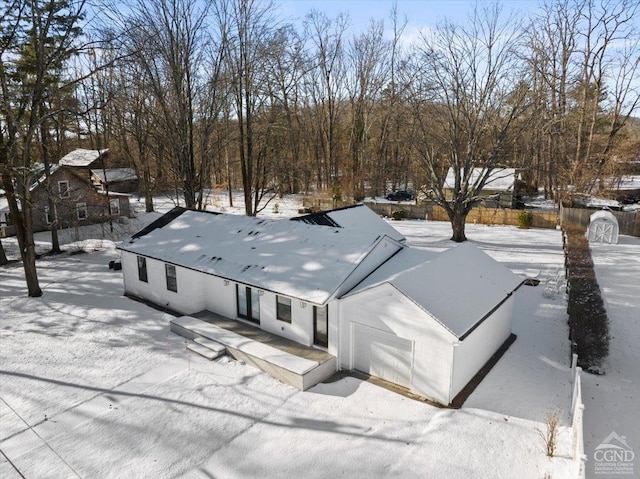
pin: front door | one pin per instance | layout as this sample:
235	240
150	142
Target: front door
248	302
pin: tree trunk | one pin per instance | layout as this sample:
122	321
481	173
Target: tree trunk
457	224
3	255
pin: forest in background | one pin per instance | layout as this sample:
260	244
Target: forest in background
199	94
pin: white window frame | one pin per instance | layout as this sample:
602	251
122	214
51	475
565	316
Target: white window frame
82	208
114	206
64	192
47	215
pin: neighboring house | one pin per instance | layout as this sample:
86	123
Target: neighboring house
76	201
498	191
118	180
424	321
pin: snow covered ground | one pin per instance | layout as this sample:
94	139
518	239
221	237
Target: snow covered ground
612	401
95	385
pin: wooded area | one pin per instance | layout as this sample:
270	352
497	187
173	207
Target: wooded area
226	93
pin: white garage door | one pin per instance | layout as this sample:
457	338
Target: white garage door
382	354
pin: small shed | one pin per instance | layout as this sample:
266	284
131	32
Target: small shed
428	322
603	228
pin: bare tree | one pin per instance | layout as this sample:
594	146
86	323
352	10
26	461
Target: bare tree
466	100
247	27
367	77
326	89
168	39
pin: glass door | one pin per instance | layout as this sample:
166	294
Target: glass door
248	302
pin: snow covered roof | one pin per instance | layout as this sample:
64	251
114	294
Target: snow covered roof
115	174
81	157
626	182
458	288
353	218
43	177
292	258
605	215
500	179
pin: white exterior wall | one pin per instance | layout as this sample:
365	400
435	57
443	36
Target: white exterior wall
385	308
189	298
476	349
218	298
198	291
301	328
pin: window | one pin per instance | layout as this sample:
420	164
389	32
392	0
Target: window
47	215
81	211
142	269
172	279
114	205
283	309
320	326
248	302
63	189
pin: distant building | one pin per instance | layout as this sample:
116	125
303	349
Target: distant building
117	180
76	200
499	191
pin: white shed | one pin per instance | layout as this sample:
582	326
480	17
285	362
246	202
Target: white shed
603	228
428	322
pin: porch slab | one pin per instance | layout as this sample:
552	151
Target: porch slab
273	355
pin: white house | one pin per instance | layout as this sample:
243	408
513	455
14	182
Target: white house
281	275
427	322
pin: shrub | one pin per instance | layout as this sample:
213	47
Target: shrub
588	321
398	215
358	197
550	432
525	219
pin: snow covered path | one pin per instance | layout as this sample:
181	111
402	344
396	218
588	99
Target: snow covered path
612	401
95	385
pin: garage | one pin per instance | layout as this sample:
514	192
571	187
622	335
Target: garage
428	321
382	354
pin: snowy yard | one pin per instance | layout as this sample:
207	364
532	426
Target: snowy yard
612	400
95	385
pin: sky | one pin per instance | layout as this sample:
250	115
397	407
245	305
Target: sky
420	13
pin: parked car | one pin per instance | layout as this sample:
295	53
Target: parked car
400	196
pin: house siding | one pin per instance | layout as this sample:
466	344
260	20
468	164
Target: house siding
477	348
385	308
198	291
189	298
80	191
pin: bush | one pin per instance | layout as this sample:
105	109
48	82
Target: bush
398	215
525	219
588	321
